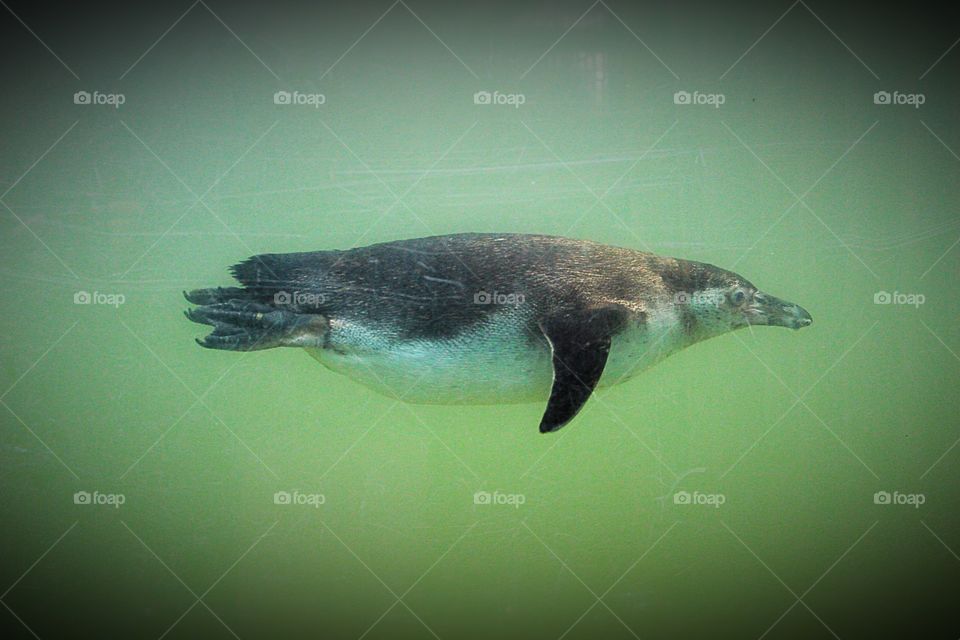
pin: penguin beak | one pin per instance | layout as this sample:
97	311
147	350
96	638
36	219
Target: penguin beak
770	310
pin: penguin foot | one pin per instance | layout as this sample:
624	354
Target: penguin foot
250	326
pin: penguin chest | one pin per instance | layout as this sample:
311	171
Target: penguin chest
640	346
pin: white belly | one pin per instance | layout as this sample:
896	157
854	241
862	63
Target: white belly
492	364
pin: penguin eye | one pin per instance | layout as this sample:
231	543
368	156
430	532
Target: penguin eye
738	297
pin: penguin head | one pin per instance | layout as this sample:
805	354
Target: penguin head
762	308
712	301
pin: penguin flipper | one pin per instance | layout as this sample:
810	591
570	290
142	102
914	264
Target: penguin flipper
580	343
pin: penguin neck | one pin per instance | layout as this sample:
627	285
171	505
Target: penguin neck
703	317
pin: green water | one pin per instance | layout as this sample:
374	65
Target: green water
794	432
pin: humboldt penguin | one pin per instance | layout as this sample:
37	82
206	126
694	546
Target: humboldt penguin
484	318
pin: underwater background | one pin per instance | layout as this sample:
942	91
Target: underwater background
766	483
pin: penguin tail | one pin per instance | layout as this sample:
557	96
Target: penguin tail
216	295
290	278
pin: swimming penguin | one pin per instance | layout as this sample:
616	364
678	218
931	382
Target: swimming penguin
484	318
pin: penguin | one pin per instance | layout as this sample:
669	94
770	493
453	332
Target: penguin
484	318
